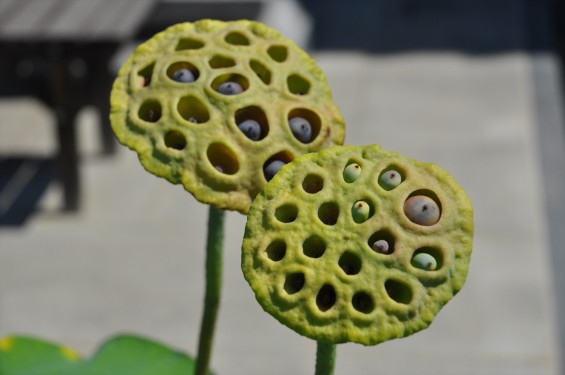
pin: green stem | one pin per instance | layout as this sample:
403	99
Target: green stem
325	358
214	244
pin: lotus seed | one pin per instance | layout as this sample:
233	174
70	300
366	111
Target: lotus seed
301	129
360	211
381	247
184	76
390	179
230	88
251	129
351	172
422	210
424	261
271	168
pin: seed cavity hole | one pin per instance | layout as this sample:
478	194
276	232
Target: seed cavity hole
382	242
219	62
350	263
391	177
328	213
313	120
257	130
294	283
427	259
237	39
145	75
175	70
297	84
276	250
423	208
398	291
312	183
261	71
286	213
188	43
230	84
192	109
222	158
150	111
363	302
278	53
175	140
314	246
326	298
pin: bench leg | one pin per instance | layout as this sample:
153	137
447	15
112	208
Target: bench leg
67	161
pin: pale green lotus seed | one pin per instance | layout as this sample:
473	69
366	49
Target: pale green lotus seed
422	210
390	179
382	247
424	261
360	211
351	172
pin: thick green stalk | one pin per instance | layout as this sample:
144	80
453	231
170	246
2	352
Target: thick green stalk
325	358
214	253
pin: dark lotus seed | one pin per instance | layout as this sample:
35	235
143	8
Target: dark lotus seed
184	76
422	210
251	129
301	129
381	246
272	168
230	88
390	179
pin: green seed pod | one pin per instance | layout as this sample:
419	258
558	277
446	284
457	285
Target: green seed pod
360	211
180	98
322	276
424	261
351	172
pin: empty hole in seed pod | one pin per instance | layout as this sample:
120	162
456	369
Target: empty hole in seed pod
435	253
312	183
175	67
253	113
286	213
391	177
230	77
175	140
274	163
328	213
297	85
314	246
237	39
382	242
219	61
276	250
261	71
192	109
222	158
278	53
326	298
294	283
150	111
398	291
363	302
309	116
350	263
188	43
145	75
423	207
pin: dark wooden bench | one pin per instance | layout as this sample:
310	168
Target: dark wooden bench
59	52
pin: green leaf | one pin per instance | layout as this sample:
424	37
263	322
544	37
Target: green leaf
123	355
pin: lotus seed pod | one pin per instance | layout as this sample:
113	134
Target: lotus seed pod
333	280
241	70
251	129
424	261
390	179
184	76
351	172
422	210
301	129
360	211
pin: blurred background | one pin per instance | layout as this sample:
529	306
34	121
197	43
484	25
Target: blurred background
91	245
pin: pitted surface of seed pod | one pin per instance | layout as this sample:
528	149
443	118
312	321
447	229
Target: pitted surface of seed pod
317	270
179	98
